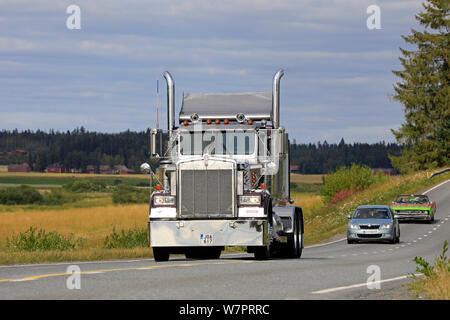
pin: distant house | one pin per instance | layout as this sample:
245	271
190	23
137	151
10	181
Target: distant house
23	167
90	169
386	171
19	152
55	168
121	169
294	168
105	169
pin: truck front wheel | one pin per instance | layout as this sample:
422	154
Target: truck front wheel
294	243
262	253
161	254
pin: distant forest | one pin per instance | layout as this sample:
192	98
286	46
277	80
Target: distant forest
79	148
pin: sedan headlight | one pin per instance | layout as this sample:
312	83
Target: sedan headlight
386	226
353	226
163	201
253	200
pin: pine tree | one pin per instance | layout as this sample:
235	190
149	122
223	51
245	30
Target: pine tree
424	92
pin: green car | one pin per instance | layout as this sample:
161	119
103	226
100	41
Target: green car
414	207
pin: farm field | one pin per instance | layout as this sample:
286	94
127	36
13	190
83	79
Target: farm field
307	178
51	180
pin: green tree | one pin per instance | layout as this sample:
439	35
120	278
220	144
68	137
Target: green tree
424	92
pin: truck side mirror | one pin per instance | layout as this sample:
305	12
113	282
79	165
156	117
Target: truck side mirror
153	142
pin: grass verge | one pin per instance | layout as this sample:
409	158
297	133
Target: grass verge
436	281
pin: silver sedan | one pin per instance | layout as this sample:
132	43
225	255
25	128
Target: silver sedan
373	223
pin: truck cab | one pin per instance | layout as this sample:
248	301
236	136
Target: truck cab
224	177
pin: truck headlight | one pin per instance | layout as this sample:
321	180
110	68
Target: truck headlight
162	200
250	200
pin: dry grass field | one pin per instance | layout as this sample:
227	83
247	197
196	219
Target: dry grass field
92	224
306	178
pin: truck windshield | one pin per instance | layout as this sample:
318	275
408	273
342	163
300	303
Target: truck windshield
217	142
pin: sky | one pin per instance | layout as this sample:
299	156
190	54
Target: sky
338	73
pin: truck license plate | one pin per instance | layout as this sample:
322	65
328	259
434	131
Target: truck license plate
206	238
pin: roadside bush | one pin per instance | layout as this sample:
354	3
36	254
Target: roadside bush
20	195
58	196
127	239
84	185
128	194
32	240
348	181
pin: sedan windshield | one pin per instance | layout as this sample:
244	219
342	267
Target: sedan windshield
371	213
414	199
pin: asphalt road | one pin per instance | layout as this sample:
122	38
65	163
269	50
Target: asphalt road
332	271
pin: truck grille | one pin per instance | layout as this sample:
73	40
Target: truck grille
206	193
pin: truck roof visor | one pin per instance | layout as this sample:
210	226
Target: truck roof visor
254	105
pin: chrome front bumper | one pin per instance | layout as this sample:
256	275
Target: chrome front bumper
191	233
413	216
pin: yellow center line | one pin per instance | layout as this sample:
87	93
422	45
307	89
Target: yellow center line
121	269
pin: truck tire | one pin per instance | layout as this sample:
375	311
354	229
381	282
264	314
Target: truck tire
262	253
294	245
161	254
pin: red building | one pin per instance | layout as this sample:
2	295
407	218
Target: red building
90	169
55	168
23	167
105	169
121	169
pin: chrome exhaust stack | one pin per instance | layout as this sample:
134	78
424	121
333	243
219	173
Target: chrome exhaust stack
170	102
276	99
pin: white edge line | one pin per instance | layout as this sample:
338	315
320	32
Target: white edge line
324	244
436	186
362	284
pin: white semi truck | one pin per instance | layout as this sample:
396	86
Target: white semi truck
224	177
